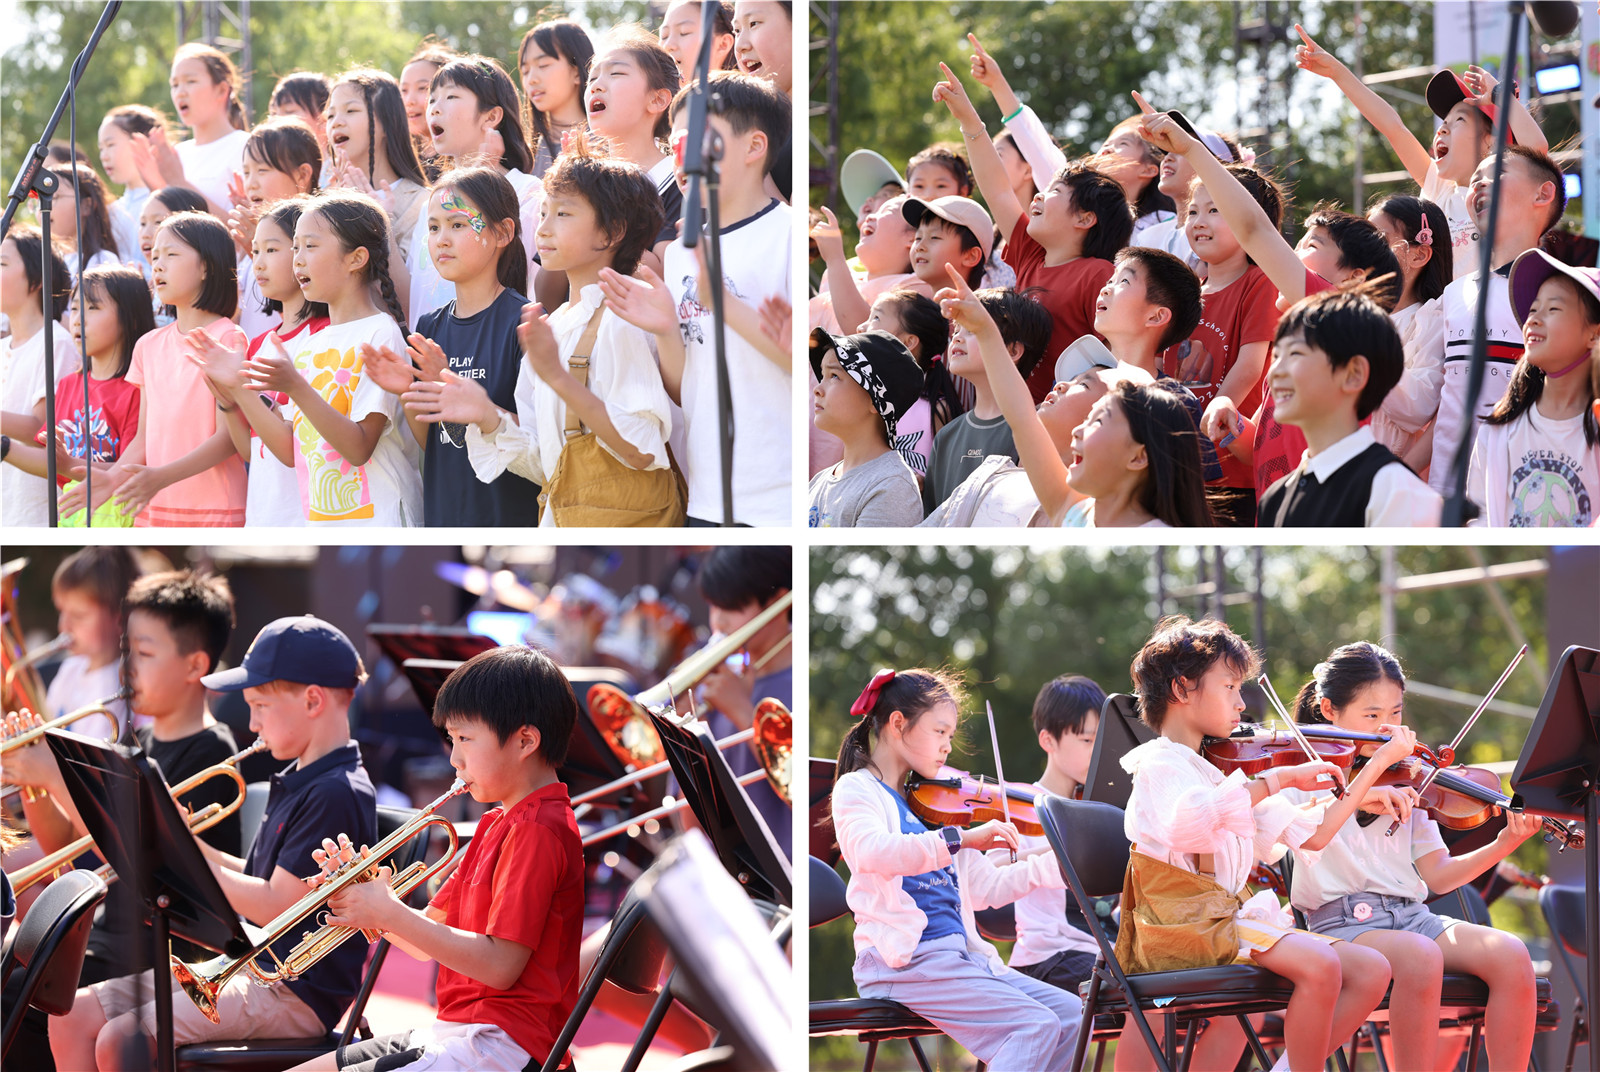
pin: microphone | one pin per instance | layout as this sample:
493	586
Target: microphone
1553	18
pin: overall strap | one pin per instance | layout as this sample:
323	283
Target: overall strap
578	365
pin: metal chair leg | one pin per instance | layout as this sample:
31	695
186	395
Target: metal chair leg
1377	1045
922	1058
1472	1046
1254	1041
872	1055
1086	1024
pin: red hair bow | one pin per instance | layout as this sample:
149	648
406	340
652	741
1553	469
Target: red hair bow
869	695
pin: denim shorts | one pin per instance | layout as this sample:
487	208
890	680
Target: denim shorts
1358	913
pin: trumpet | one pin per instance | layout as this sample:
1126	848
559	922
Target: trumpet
23	738
624	720
26	661
100	707
199	822
203	982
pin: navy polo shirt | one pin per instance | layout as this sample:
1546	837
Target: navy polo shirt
330	796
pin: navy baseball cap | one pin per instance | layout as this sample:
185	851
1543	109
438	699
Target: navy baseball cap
305	650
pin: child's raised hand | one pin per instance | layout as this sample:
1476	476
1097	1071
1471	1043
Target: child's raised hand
236	188
450	398
777	320
953	95
387	369
1309	776
1163	131
1520	826
272	369
985	71
641	299
1481	84
1401	744
993	834
491	147
428	356
960	305
75	498
166	157
538	342
827	235
1313	58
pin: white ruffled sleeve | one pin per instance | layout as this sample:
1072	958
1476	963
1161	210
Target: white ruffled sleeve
1283	824
514	446
1180	812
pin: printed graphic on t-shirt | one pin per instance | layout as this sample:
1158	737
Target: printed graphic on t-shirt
1547	491
1195	364
690	311
107	445
452	434
331	489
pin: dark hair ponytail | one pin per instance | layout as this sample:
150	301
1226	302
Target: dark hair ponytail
920	317
911	692
1348	670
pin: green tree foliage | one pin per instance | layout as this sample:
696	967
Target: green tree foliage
1010	619
131	64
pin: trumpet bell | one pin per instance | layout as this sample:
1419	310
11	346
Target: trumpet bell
625	725
203	982
773	744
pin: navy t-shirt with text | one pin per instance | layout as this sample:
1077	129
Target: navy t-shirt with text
484	348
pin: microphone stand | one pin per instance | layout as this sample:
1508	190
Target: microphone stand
33	180
702	150
1456	509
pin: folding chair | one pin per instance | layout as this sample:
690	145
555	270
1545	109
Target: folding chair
872	1020
1563	913
48	948
1093	853
269	1055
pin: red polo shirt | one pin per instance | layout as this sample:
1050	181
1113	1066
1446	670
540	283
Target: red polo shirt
521	880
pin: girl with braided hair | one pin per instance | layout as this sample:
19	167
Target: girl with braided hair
354	464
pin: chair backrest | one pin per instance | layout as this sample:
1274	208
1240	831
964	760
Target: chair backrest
1563	913
50	943
637	967
251	811
391	820
997	924
1463	903
1087	835
827	893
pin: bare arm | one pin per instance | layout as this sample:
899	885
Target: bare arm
1414	156
1443	872
849	307
987	169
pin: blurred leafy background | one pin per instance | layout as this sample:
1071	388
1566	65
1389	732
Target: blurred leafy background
1009	619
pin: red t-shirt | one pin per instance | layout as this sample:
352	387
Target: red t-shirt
113	416
1243	312
1278	447
521	880
1069	295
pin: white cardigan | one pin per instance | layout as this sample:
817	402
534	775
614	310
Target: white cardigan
879	856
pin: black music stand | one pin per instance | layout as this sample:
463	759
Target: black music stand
129	811
1120	731
402	642
737	831
1558	774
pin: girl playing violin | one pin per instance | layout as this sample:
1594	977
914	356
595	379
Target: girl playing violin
913	890
1196	835
1368	888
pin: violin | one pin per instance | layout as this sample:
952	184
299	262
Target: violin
1260	752
1464	798
962	800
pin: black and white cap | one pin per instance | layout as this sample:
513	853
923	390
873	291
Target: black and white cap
880	363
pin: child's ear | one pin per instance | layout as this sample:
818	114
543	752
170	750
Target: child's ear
494	115
1355	374
971	258
1325	705
1047	743
757	149
304	177
1140	459
1014	350
357	258
529	739
1160	316
1085	220
196	665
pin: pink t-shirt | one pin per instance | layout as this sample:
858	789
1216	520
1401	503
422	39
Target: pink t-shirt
1278	447
180	415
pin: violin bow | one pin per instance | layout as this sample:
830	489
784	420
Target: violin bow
1466	726
1294	727
1000	775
